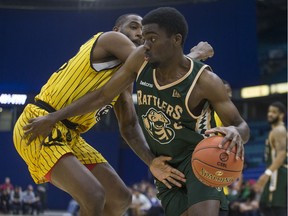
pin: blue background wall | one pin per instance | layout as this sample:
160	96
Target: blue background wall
33	44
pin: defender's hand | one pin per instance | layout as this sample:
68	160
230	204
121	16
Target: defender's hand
40	126
202	51
165	173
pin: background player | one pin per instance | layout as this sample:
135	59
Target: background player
273	182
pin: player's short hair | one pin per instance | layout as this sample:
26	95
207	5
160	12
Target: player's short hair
169	19
280	106
123	18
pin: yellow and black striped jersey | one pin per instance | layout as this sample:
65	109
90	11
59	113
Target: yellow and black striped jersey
76	78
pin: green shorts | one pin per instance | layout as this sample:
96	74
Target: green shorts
176	201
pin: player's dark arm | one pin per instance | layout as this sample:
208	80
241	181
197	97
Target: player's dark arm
133	135
117	45
92	101
120	47
235	128
129	126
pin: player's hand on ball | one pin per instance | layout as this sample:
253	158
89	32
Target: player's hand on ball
231	135
165	173
40	126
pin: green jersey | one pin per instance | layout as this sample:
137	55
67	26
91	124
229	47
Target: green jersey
170	127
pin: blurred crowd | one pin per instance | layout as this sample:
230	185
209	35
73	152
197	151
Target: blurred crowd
243	201
14	200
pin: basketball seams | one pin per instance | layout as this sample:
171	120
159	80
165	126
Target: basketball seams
208	147
212	165
206	182
196	159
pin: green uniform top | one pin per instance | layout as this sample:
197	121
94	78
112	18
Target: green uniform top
170	128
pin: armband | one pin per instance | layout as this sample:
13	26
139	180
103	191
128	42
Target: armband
268	172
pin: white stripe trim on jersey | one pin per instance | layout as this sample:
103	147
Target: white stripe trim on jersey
190	90
175	82
106	65
141	69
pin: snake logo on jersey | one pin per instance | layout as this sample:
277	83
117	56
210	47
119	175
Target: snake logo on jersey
157	125
103	111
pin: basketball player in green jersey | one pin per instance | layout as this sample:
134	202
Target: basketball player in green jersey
64	158
273	182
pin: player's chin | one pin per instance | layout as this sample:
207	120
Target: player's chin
138	42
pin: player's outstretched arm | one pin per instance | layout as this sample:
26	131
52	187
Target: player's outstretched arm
92	101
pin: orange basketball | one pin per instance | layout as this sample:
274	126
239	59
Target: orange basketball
213	166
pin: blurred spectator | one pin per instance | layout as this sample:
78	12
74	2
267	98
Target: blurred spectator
5	201
42	194
73	208
16	200
247	201
140	203
7	185
29	200
156	208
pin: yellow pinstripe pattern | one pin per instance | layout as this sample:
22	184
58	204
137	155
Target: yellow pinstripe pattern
41	155
73	80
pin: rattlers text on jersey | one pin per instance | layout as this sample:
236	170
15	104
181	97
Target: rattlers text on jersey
168	124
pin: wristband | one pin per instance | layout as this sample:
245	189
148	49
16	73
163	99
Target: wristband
268	172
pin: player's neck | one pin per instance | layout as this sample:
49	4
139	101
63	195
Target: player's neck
277	124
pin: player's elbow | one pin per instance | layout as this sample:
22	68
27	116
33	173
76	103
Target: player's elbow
128	129
245	135
103	99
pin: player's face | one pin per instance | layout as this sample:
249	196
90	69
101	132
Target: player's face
273	115
132	28
159	47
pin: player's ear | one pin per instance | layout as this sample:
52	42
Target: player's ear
178	39
116	28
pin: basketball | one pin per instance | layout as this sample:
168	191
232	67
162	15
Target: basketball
213	166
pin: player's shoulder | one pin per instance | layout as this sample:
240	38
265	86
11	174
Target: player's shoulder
113	35
207	77
279	130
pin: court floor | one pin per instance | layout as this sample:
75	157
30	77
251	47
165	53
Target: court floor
46	213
